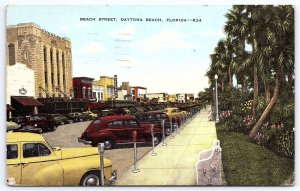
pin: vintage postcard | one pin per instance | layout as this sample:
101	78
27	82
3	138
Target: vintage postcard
150	95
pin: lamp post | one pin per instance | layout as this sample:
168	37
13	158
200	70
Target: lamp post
217	112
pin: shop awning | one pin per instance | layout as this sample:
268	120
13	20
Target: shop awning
27	101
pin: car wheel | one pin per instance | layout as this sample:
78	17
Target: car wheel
156	140
54	127
80	120
40	131
91	179
108	144
168	131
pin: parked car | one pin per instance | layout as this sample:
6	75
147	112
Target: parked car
12	126
103	112
77	117
39	123
118	111
118	129
174	113
31	161
19	120
90	115
155	117
61	119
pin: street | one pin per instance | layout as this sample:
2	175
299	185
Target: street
66	136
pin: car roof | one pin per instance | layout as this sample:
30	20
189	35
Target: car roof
120	117
169	108
17	137
150	112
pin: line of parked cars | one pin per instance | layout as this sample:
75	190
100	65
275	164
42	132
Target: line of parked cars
40	123
117	128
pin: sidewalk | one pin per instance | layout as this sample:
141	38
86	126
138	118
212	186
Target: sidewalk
174	164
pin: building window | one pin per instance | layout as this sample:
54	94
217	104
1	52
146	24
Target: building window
45	59
26	55
101	97
46	77
94	95
83	92
89	92
52	66
64	80
57	62
64	68
11	53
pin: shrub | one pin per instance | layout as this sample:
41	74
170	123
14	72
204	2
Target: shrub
278	138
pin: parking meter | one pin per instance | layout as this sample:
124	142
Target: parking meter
135	167
101	151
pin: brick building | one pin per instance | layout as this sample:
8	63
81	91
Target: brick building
83	87
138	93
48	55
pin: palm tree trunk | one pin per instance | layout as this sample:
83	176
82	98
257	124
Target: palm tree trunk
266	112
267	94
222	85
290	89
244	84
255	82
230	78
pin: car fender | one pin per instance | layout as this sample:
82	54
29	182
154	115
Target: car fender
75	168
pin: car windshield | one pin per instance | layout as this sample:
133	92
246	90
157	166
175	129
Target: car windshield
96	122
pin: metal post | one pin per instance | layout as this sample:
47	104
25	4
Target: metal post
179	122
135	167
152	133
176	126
101	151
217	112
163	131
171	122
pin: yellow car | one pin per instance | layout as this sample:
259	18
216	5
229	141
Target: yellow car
91	114
31	161
175	114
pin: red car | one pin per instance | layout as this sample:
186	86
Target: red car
112	130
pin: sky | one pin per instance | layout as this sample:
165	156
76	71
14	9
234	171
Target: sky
162	56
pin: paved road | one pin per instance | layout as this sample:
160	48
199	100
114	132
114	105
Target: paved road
66	137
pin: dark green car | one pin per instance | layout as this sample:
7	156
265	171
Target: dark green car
61	119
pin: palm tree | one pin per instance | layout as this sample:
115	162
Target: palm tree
277	45
242	25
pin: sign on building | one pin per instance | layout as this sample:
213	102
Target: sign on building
115	86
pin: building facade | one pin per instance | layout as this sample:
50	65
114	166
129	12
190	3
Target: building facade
97	92
48	55
181	98
161	97
83	87
138	93
107	84
172	98
19	81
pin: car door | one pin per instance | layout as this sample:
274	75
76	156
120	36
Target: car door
40	165
13	163
117	128
133	125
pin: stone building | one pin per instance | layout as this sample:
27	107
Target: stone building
48	55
